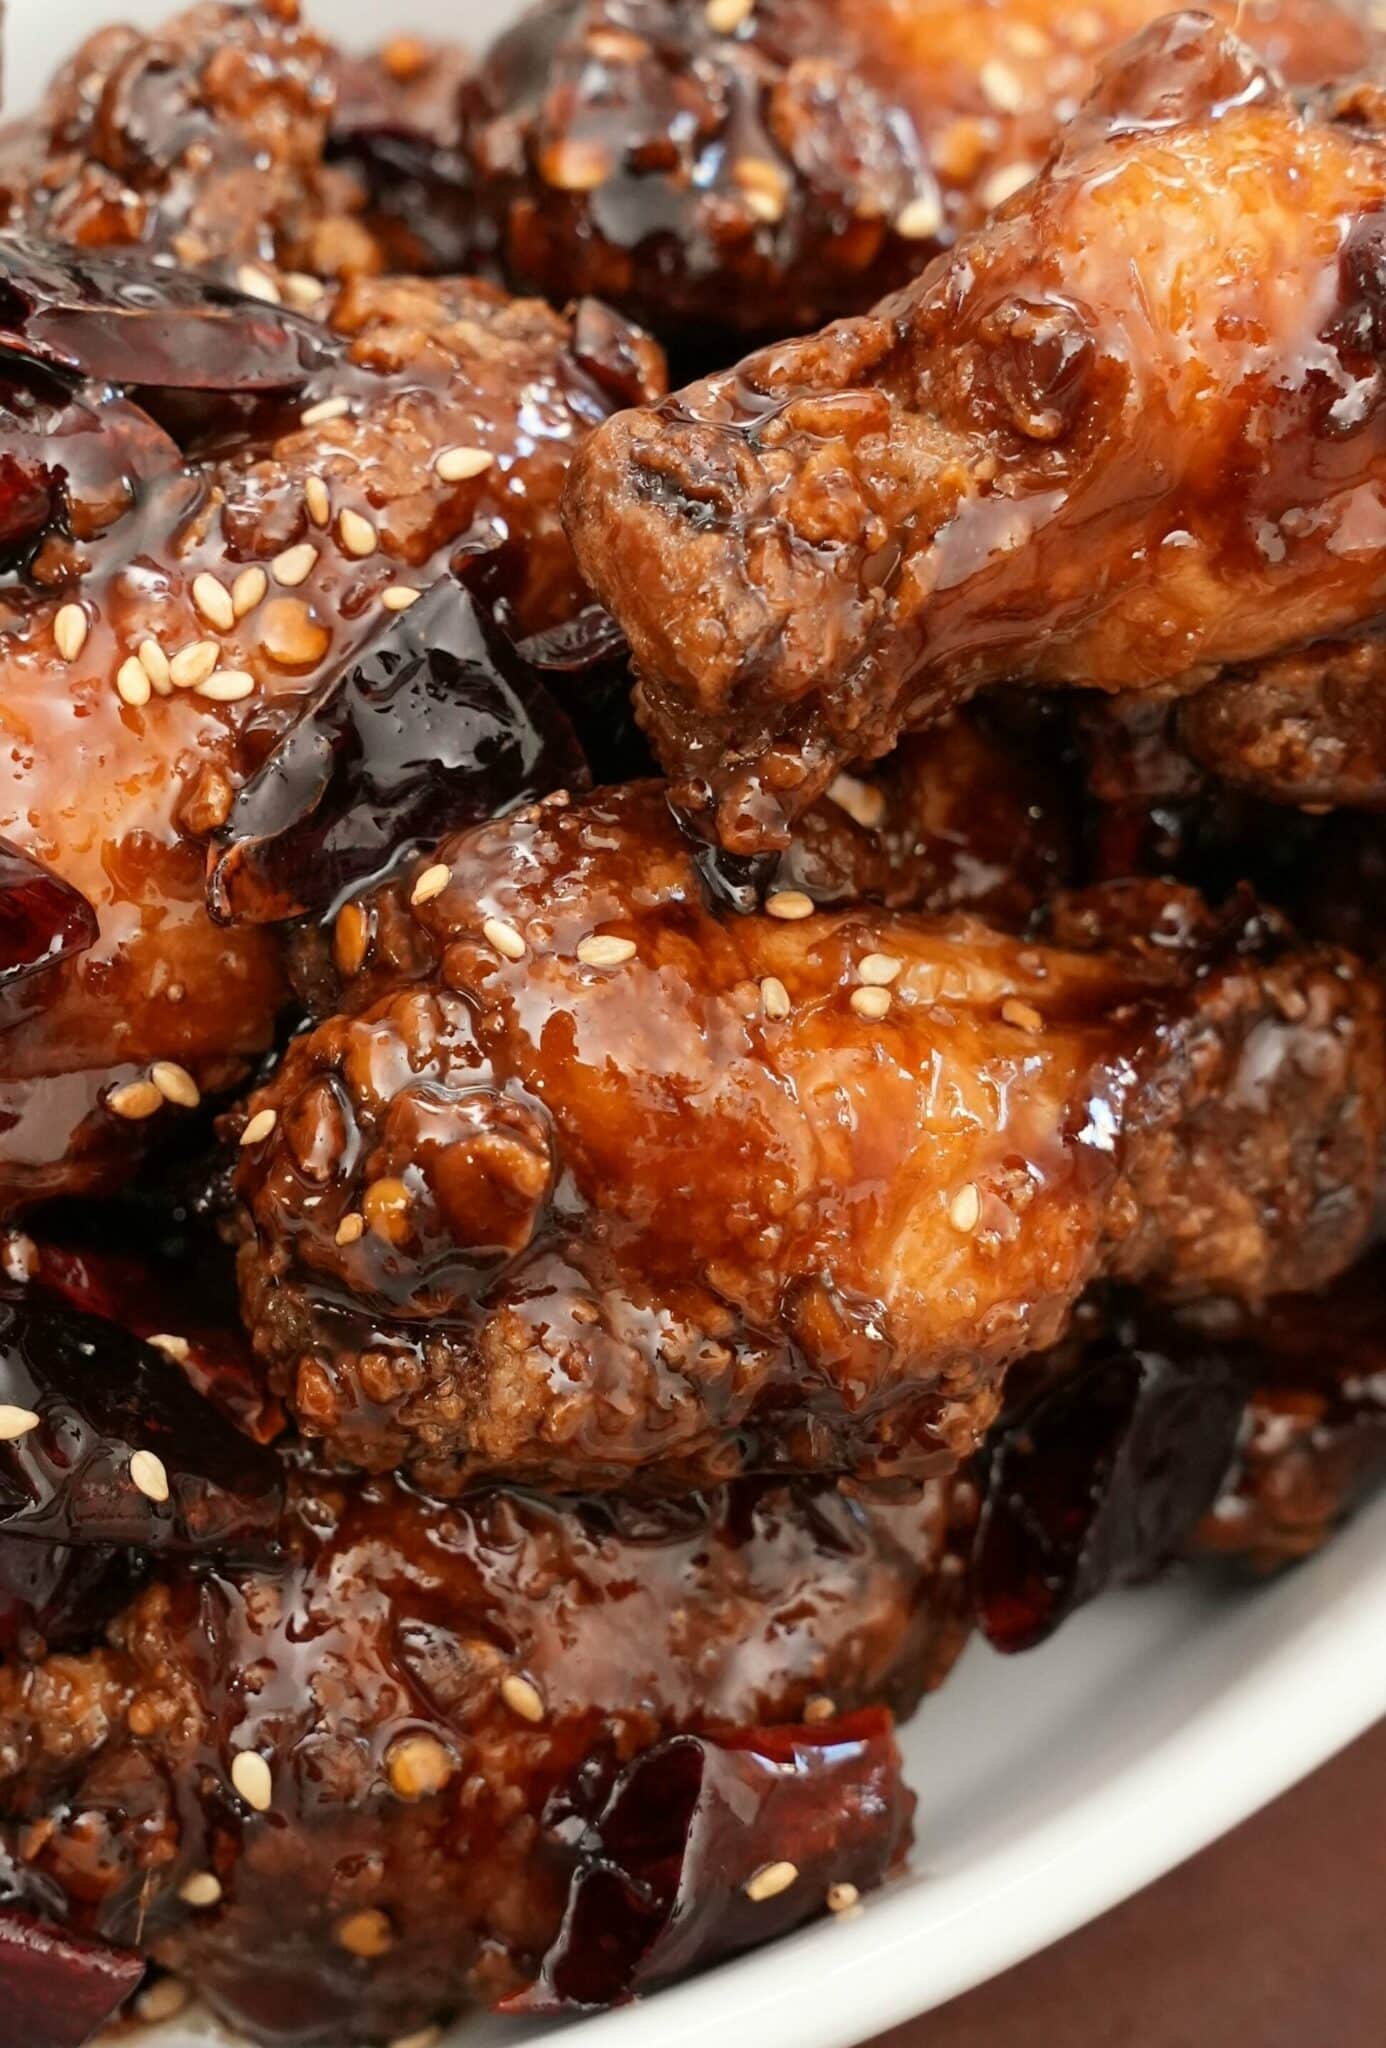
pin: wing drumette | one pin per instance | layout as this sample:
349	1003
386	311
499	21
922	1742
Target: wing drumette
317	1792
172	618
760	168
595	1185
1127	432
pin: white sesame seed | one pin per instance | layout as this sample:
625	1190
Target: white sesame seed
301	290
135	1100
460	465
862	801
132	684
317	500
227	686
295	565
878	970
149	1476
325	409
250	1775
161	2001
1002	86
260	1126
870	1002
213	600
603	951
351	1229
248	589
769	1881
356	533
257	285
523	1698
921	219
774	997
175	1084
724	17
789	905
1003	184
504	938
176	1348
154	662
70	628
15	1422
397	597
431	883
819	1708
193	664
841	1897
965	1209
202	1889
1024	1016
764	187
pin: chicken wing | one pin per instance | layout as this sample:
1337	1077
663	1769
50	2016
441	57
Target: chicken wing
166	619
317	1792
1128	432
596	1184
759	168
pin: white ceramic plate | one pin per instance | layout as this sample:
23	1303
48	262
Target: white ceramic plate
1050	1786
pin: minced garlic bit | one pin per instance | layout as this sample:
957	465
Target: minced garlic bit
163	2000
769	1881
921	219
15	1422
820	1708
862	801
260	1126
367	1934
176	1348
257	284
724	17
878	970
352	1228
419	1766
201	1890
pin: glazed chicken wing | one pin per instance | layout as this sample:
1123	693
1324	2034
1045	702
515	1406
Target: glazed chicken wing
166	620
317	1792
1128	432
760	168
594	1184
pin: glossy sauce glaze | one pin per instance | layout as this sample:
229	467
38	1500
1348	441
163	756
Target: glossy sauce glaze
597	1184
418	1680
173	617
759	169
1128	431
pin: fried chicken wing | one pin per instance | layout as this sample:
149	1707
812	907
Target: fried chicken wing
759	169
1126	433
596	1184
317	1792
170	618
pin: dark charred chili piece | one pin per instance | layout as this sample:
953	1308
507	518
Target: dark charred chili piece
43	919
122	1450
437	723
1104	1477
58	1989
123	320
63	1594
705	1846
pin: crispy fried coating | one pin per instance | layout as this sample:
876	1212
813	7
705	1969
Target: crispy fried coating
179	615
417	1680
761	168
595	1183
1128	432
